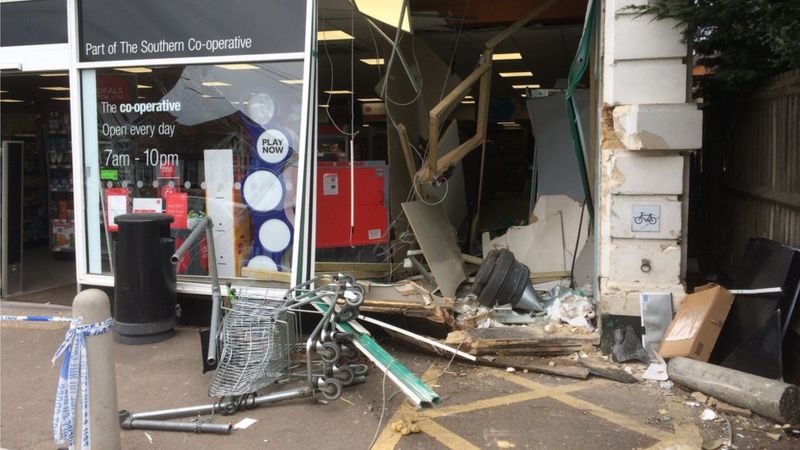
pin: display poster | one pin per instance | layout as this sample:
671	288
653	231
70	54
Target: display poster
112	30
177	207
147	205
116	205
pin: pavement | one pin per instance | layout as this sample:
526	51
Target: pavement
480	407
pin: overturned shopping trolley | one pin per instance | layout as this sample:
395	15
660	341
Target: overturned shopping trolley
255	343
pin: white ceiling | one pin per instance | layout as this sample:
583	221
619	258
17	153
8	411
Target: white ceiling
547	50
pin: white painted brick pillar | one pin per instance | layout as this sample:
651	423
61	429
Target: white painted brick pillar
647	129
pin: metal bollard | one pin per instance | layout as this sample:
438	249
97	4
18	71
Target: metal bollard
93	306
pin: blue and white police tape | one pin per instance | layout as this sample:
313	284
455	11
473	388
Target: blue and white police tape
74	369
37	318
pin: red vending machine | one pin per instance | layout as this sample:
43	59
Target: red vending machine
371	217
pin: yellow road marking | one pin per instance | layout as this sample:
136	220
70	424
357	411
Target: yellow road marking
686	433
596	410
445	436
613	417
500	401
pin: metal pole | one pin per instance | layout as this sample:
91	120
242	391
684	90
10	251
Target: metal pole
93	306
216	308
222	406
207	225
129	423
194	236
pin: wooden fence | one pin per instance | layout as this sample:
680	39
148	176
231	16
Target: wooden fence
757	163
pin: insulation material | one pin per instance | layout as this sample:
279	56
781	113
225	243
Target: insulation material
570	210
540	245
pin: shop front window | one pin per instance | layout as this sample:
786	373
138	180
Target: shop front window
193	141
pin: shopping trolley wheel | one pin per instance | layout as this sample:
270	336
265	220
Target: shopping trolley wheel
347	279
348	352
330	352
346	375
331	388
354	296
347	314
360	369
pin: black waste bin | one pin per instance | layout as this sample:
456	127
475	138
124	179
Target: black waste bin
144	280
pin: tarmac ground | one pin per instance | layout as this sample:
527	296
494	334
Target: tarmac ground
480	407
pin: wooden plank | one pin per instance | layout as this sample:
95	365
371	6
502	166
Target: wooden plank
527	340
560	367
402	134
601	368
476	260
267	275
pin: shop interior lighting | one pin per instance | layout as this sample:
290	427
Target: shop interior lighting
386	11
3	92
11	100
515	74
60	98
469	97
58	74
134	69
238	66
525	86
215	83
338	92
507	123
370	100
373	61
505	56
54	88
144	86
291	81
468	102
323	106
333	35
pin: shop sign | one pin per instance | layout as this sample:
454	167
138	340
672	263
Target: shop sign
114	30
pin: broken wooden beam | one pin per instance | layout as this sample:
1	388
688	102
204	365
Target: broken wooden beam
527	340
563	368
604	369
559	367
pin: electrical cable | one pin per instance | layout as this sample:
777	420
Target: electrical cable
453	53
383	404
328	102
422	199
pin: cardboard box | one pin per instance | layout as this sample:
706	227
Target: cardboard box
696	327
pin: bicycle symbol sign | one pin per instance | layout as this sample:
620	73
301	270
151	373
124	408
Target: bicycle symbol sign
646	218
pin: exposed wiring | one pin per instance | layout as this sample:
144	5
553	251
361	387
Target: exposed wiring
422	199
383	404
455	48
330	88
